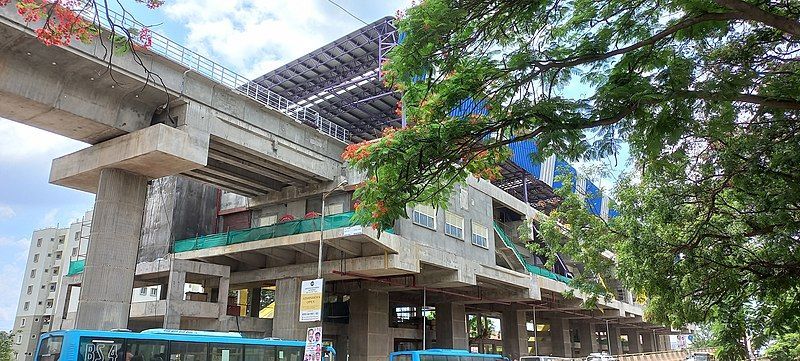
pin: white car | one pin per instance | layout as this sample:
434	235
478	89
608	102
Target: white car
543	358
600	357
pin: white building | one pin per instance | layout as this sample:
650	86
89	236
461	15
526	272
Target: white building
48	300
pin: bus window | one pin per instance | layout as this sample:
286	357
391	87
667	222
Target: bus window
259	353
187	351
401	358
289	353
146	350
50	349
225	352
101	349
432	358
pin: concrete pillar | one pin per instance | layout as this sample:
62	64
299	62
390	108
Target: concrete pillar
560	337
634	345
222	300
175	288
254	301
451	326
514	333
647	342
588	336
368	330
286	323
614	340
105	298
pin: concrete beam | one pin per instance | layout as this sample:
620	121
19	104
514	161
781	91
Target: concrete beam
153	152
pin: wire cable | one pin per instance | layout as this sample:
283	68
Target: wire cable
348	12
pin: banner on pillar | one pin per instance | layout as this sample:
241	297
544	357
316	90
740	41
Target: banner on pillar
311	300
313	350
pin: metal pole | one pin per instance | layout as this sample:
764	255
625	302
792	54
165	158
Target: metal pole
608	338
321	238
535	333
525	187
424	305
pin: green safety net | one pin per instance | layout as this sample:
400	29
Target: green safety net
531	268
76	267
254	234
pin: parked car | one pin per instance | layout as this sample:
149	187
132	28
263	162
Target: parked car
543	358
600	357
700	356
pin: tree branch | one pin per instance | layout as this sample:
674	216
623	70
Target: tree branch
755	13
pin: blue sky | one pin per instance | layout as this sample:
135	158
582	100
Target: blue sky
251	37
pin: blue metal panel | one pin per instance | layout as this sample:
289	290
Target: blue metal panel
468	107
521	156
563	168
594	199
612	213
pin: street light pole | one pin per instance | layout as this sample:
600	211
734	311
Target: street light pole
322	226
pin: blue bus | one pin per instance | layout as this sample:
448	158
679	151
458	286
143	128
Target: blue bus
167	345
441	354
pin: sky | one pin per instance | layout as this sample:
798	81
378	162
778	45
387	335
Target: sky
250	37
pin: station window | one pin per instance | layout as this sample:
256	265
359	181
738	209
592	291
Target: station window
453	225
424	215
480	235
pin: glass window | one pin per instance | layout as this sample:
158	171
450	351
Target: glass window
55	270
49	303
480	235
33	273
154	291
26	306
147	350
101	349
30	289
424	215
50	349
259	353
53	286
432	358
143	291
225	352
74	251
187	351
287	353
22	322
61	239
39	242
401	358
58	255
453	225
36	258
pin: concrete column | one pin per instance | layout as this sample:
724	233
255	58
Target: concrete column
286	323
451	326
614	340
560	337
647	342
254	301
368	330
588	336
514	333
175	288
634	345
105	298
222	300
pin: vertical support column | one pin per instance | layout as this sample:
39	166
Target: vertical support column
451	326
105	298
514	333
647	342
560	337
286	323
254	301
588	337
634	345
222	300
175	288
368	329
614	340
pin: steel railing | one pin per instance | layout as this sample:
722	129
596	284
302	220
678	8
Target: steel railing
171	50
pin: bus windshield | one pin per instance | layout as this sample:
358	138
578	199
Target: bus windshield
50	348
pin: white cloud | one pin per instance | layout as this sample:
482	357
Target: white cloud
256	36
23	142
49	219
6	212
12	278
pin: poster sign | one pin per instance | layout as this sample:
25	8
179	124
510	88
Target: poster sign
311	300
313	344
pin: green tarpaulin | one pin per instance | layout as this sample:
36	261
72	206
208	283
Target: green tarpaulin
76	267
531	268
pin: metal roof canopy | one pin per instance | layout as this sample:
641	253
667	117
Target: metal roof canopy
341	81
521	184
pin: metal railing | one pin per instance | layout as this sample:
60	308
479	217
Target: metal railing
171	50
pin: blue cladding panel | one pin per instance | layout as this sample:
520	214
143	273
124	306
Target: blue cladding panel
593	198
468	107
612	213
521	156
563	168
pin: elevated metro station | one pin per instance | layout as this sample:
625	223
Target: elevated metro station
224	187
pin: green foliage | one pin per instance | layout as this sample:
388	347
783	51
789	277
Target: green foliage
785	348
705	92
5	346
